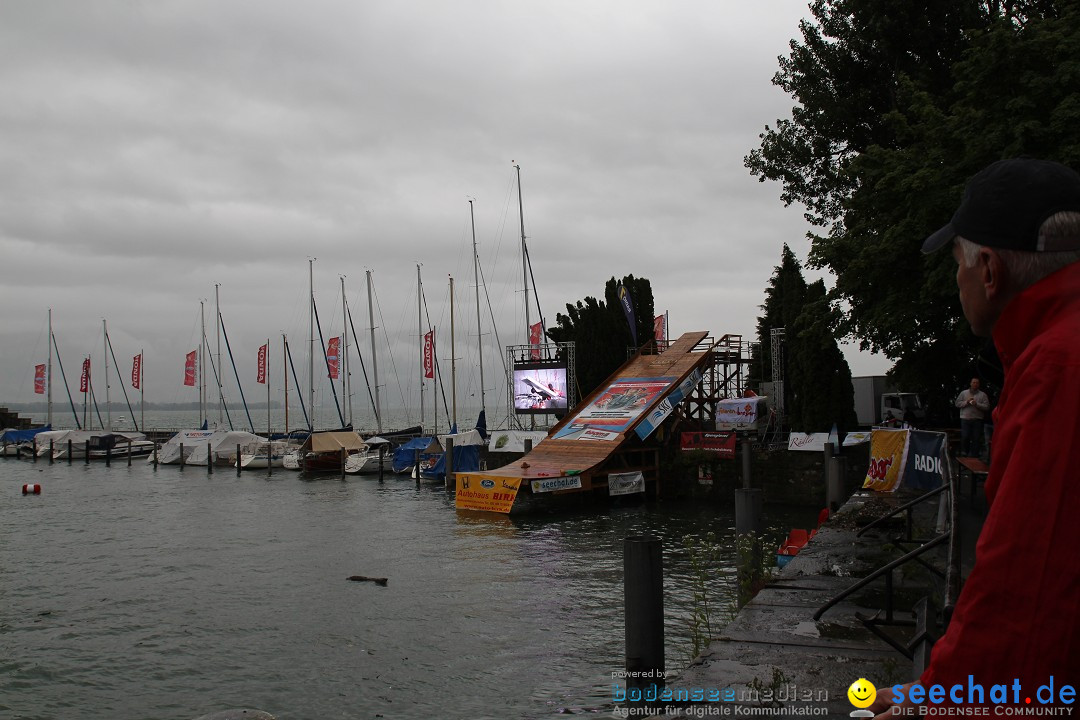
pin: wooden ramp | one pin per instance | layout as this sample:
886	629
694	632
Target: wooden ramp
568	455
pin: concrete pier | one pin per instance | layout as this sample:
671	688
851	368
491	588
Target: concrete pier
774	654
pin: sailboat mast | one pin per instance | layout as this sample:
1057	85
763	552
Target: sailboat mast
285	374
343	363
453	359
220	367
108	405
202	363
524	272
374	355
48	379
420	334
311	339
524	253
479	331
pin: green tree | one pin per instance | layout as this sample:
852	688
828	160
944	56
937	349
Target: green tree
600	331
897	106
818	372
817	378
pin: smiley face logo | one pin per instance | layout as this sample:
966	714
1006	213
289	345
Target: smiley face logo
862	693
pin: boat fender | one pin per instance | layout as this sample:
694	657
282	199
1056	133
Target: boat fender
31	488
363	578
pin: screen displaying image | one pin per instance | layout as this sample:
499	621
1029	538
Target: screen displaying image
539	388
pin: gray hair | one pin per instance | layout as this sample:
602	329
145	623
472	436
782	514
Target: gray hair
1027	268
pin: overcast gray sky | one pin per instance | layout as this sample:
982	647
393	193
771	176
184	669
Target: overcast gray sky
151	150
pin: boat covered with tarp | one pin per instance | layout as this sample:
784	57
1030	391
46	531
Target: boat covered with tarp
194	447
11	440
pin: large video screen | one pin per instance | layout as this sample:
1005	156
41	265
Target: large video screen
539	388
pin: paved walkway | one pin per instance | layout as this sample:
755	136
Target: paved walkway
775	660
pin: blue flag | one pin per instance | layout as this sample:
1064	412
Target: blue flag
628	310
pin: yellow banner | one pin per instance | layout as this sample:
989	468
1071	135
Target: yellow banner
477	491
887	455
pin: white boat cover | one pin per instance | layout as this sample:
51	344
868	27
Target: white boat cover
472	437
199	444
78	439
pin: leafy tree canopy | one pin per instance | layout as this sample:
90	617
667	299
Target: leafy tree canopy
898	104
600	331
817	378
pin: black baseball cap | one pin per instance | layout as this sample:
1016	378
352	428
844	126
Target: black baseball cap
1005	205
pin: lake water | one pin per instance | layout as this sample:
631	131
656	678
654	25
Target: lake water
135	593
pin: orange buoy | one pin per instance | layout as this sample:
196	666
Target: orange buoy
31	488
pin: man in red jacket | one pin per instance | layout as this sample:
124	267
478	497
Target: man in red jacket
1016	241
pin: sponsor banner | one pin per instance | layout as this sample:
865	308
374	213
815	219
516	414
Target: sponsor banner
136	371
807	441
924	469
429	354
628	310
333	357
737	411
189	369
485	492
658	329
557	483
625	483
514	440
590	434
84	379
705	475
261	376
658	414
39	379
721	443
856	438
617	407
534	340
887	454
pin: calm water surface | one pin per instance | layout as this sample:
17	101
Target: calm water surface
140	593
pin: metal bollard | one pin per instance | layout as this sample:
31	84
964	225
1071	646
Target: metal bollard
748	505
50	452
643	568
238	459
86	453
129	452
69	452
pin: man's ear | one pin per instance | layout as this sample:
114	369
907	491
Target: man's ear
994	275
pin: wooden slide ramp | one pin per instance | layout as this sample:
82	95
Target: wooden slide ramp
562	457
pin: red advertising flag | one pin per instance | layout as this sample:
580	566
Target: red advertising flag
189	369
136	371
658	328
84	380
332	356
534	340
429	354
39	379
262	365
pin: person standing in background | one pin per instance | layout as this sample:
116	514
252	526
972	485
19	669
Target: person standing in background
973	404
